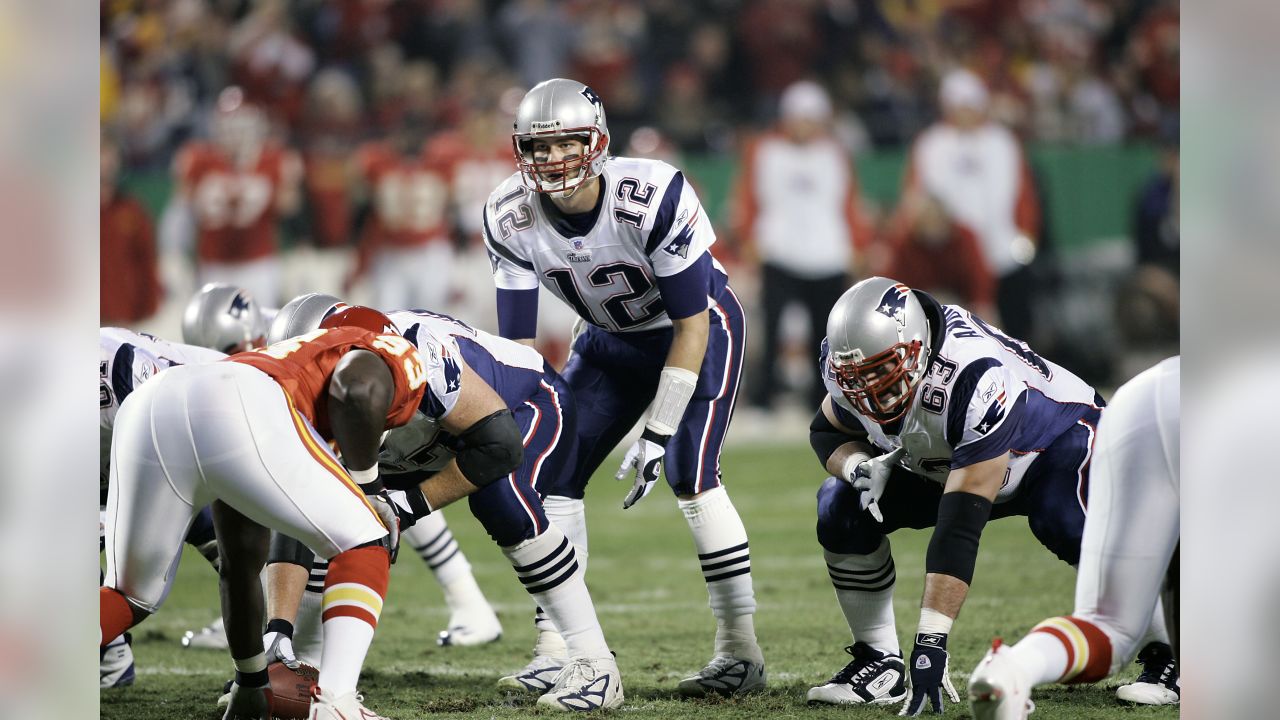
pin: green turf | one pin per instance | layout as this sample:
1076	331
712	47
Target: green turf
652	602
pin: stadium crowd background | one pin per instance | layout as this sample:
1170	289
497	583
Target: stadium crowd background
1090	87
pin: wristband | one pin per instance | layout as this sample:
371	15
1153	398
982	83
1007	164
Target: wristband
675	388
252	671
367	480
654	437
282	626
851	464
418	503
933	622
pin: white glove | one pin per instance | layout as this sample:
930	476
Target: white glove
280	647
645	458
870	477
384	506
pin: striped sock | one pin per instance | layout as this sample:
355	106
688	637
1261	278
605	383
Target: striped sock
431	538
548	567
353	594
114	615
721	542
1066	650
864	589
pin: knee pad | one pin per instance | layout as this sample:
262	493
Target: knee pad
842	525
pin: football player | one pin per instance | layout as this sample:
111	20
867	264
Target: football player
934	418
237	185
573	668
226	317
625	243
251	436
1130	540
127	359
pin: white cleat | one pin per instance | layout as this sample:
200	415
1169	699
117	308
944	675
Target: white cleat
725	675
538	676
997	688
471	626
115	664
585	685
873	677
346	707
1157	684
212	637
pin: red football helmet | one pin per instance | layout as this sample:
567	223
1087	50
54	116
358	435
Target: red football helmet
362	317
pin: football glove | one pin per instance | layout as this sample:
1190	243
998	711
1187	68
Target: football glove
645	458
930	675
387	512
248	703
279	645
870	477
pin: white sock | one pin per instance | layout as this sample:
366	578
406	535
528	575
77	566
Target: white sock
721	543
431	538
1041	657
549	642
570	516
548	567
346	642
308	636
864	588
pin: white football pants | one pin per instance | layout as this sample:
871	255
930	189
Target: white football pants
1132	526
222	431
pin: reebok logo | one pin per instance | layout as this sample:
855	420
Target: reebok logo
930	639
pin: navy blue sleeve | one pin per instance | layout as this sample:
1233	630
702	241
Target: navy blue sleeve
518	314
685	293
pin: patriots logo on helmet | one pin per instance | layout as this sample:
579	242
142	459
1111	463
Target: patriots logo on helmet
591	95
893	304
239	305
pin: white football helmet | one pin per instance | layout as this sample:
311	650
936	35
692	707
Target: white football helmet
555	108
878	339
225	318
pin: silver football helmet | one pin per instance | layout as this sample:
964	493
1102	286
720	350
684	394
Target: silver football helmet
301	315
225	318
554	108
413	447
878	340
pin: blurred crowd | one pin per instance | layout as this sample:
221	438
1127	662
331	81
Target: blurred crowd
365	135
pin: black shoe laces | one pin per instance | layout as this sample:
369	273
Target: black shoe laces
1158	667
864	664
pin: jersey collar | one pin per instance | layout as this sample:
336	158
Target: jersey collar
575	225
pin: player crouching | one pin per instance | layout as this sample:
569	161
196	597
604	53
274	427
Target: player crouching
250	435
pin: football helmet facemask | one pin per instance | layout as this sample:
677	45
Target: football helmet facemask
554	109
878	340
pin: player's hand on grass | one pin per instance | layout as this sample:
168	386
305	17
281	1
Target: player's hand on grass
870	477
929	675
645	460
248	703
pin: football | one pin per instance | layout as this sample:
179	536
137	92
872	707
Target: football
291	689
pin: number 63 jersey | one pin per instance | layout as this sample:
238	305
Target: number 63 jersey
983	394
647	225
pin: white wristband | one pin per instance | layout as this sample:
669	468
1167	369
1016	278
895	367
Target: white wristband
257	663
932	621
851	463
675	388
364	477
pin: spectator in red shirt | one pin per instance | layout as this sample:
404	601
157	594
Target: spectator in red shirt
130	285
930	251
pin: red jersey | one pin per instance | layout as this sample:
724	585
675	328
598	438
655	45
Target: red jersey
130	286
303	366
410	196
235	208
328	198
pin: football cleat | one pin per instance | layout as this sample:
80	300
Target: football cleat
115	663
538	676
474	624
212	637
997	689
725	675
871	678
1157	684
347	707
585	685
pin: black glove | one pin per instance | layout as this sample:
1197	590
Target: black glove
929	675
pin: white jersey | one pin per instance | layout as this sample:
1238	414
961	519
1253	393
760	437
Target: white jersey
984	395
127	359
648	225
513	371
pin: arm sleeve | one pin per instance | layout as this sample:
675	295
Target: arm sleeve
685	293
518	313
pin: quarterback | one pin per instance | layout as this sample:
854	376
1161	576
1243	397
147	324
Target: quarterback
625	243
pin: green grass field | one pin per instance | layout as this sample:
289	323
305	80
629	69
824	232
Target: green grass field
652	602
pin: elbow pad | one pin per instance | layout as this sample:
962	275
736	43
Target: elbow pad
491	449
953	549
825	437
